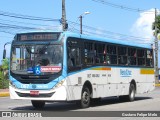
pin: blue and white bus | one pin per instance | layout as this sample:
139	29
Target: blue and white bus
64	66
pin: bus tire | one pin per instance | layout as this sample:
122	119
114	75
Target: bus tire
85	97
132	92
38	104
131	96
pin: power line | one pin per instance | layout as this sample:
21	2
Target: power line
20	16
2	25
103	32
11	26
108	32
12	21
5	36
119	6
86	32
3	31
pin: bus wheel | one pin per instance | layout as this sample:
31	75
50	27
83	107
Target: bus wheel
85	97
131	96
132	92
38	104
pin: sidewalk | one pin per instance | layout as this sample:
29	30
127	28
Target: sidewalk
4	92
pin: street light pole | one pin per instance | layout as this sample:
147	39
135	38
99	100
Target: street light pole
80	17
80	24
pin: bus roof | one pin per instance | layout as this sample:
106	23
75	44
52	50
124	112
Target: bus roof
102	39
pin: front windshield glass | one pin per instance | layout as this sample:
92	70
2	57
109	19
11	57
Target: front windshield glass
36	59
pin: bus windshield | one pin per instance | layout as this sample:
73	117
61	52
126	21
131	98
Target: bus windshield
36	59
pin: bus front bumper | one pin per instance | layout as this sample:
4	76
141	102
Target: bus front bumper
58	94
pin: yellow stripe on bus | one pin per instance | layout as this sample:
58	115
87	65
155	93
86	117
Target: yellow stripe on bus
147	71
101	68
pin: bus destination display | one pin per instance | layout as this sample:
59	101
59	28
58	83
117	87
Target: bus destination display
38	36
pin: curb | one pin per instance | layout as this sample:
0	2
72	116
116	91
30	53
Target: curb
157	85
4	94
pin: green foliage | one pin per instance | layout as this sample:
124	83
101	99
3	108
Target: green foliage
4	82
5	64
1	80
158	24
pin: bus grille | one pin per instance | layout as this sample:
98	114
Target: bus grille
30	81
34	80
40	95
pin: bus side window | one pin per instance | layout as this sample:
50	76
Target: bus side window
141	57
111	54
89	53
122	55
100	53
132	56
149	60
73	58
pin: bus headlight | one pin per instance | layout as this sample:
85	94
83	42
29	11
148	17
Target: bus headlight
12	84
59	84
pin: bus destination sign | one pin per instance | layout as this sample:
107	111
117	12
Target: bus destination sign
38	36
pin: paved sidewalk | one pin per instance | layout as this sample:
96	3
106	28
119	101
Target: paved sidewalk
4	92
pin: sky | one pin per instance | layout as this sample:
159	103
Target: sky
128	20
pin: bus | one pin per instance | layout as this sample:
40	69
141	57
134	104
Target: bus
66	66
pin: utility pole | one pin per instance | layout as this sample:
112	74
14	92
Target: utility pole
63	15
156	51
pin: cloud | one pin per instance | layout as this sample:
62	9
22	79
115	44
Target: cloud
143	25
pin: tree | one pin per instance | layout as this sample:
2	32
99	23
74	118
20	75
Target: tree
4	73
156	24
5	64
1	80
5	67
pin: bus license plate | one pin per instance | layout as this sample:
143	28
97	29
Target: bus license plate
34	93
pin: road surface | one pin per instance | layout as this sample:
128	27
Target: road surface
143	102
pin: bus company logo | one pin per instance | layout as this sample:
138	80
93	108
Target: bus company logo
34	86
125	73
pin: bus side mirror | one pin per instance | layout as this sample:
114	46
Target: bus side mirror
4	54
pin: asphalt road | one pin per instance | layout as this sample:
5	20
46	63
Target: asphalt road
143	102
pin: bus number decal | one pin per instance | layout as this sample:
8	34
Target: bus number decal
24	86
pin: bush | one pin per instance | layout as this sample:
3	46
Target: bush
4	83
